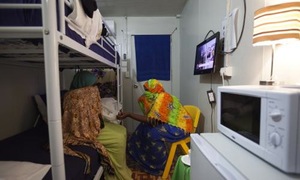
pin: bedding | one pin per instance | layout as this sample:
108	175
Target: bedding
90	28
31	146
33	17
109	108
107	82
21	170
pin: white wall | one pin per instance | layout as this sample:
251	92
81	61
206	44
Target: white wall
125	28
250	64
18	85
198	17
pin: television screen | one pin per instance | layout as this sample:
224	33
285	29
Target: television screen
206	53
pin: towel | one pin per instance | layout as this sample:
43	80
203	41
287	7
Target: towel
153	55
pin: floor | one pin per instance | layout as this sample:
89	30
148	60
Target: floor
137	174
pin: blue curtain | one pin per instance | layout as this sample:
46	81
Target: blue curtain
153	54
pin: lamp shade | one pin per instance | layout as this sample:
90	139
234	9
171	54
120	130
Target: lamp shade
277	24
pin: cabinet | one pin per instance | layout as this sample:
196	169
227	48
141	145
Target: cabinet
214	156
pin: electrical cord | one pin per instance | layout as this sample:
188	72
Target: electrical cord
210	31
224	53
211	79
242	31
211	74
222	75
211	117
211	105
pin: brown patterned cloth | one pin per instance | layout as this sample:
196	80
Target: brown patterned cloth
81	124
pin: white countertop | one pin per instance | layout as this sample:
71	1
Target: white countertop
249	165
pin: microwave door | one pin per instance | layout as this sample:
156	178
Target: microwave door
207	163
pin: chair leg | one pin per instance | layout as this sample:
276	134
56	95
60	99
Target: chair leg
169	161
184	145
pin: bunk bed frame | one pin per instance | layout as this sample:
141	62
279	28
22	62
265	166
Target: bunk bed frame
52	59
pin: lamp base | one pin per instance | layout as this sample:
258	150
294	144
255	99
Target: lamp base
268	82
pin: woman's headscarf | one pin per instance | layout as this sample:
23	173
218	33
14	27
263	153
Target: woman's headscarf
158	104
83	79
81	119
153	86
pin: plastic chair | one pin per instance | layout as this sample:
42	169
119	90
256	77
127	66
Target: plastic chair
194	112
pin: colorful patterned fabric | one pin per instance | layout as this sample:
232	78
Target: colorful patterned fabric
81	124
158	104
148	144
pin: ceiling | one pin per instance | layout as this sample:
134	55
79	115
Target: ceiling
140	8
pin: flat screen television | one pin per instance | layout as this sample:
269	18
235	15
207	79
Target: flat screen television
206	55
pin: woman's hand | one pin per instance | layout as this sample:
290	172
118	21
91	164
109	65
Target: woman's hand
141	118
122	115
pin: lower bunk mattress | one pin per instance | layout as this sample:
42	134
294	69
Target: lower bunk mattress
32	146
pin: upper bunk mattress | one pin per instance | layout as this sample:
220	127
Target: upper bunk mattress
33	17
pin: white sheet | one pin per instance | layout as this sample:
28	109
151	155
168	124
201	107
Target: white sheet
21	170
88	28
110	109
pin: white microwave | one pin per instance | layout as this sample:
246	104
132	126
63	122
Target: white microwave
264	120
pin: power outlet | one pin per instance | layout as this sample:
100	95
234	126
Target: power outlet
211	96
226	71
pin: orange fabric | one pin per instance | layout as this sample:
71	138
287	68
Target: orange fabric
158	104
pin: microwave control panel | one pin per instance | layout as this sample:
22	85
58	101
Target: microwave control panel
281	130
275	117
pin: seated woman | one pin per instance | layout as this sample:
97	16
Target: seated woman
164	120
112	136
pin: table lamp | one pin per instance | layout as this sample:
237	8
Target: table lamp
276	24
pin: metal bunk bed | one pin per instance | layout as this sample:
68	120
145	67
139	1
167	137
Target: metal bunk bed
53	59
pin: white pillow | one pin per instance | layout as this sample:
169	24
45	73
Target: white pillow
110	109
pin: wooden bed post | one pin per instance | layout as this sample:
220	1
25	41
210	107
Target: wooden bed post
53	88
